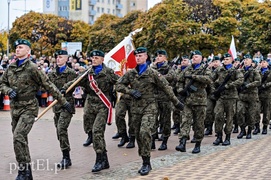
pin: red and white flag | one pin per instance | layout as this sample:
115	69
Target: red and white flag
122	57
232	50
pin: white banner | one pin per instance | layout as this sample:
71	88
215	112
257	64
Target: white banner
71	47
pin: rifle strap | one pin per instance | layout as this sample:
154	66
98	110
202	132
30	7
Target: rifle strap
94	86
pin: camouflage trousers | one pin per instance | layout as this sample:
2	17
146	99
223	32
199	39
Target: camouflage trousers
235	116
143	121
22	122
246	112
222	107
98	117
264	105
121	108
164	117
210	115
86	121
62	121
193	116
176	116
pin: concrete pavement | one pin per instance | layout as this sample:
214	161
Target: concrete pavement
214	162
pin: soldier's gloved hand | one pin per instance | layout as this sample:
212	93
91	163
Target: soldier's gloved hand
180	106
188	76
263	86
63	92
68	107
135	93
12	94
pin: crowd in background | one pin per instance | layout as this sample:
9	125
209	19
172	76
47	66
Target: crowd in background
46	63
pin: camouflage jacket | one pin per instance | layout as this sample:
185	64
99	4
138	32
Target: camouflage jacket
170	76
252	79
146	83
265	92
201	82
235	81
59	80
105	81
26	80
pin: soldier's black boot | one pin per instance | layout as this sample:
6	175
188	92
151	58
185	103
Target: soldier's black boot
235	129
153	141
131	143
249	129
89	139
24	172
264	129
146	167
257	129
209	129
242	133
218	139
227	140
196	148
66	161
177	129
182	145
116	136
124	139
193	140
163	146
99	163
174	126
105	163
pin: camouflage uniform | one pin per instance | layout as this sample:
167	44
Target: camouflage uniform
26	81
164	105
227	100
122	107
265	99
95	110
247	106
195	104
62	118
144	109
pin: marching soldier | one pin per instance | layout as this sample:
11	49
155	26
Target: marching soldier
264	96
210	115
164	105
98	83
62	118
177	116
226	81
21	81
196	79
140	83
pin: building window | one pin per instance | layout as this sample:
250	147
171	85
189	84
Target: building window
102	1
98	9
108	1
113	12
113	1
102	10
133	4
98	0
108	11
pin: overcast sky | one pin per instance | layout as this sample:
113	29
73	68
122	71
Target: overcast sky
19	7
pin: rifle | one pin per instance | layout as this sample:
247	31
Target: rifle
221	87
190	88
173	61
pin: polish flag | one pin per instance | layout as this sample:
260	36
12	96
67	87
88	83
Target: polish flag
232	50
121	57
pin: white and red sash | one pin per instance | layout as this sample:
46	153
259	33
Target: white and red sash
94	86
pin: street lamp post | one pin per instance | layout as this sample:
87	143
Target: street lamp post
8	29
